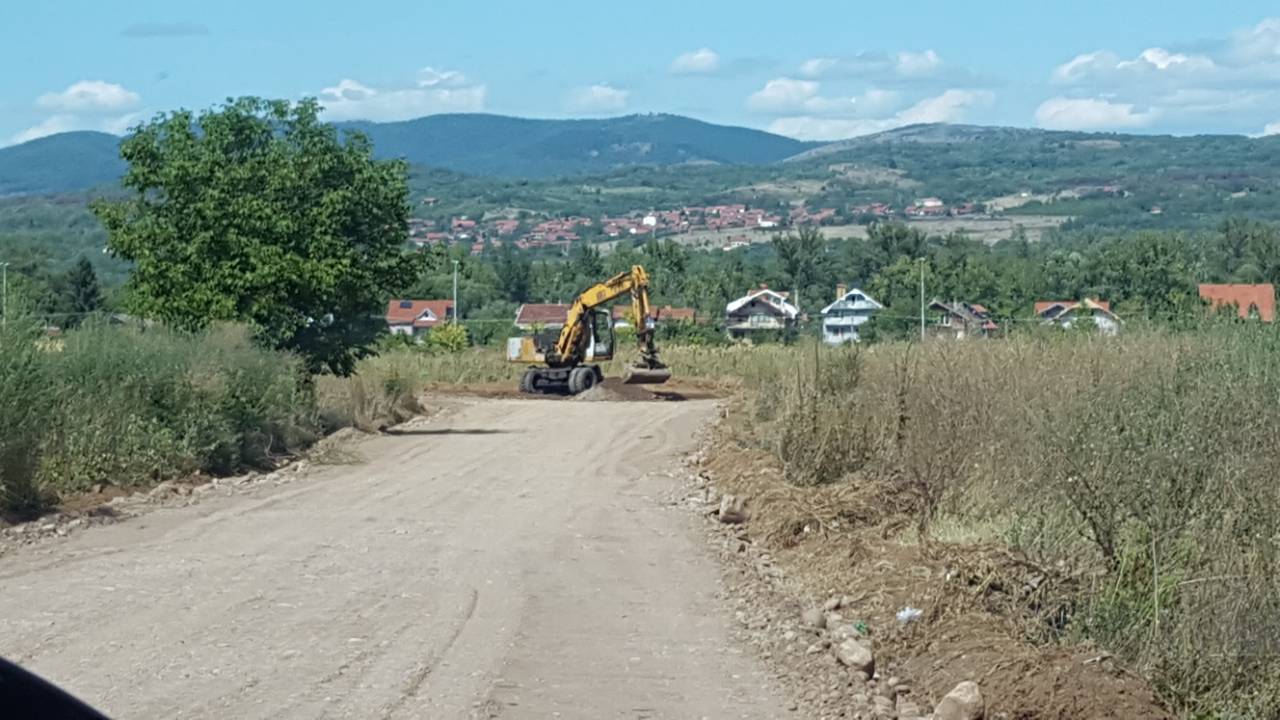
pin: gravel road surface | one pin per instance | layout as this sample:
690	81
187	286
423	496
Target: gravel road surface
513	559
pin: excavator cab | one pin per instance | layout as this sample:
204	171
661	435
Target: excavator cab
602	340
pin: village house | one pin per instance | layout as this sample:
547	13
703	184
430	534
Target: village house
622	315
416	317
927	207
542	315
842	318
759	310
1065	314
506	227
1251	302
960	320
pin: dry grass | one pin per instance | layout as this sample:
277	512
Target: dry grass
1134	476
383	391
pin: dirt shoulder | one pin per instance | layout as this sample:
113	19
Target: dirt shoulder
807	564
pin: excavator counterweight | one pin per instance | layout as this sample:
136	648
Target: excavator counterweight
566	362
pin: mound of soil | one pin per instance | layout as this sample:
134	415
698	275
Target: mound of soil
614	390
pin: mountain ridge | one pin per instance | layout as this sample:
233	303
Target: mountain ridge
506	147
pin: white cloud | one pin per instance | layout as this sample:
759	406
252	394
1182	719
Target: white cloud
702	61
437	91
1153	65
89	96
905	67
1062	113
601	97
783	96
1231	82
1258	44
431	77
63	122
1272	129
950	106
918	64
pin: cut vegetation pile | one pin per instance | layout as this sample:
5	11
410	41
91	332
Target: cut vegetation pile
1114	494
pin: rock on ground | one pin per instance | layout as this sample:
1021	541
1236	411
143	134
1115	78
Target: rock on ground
856	656
733	510
962	703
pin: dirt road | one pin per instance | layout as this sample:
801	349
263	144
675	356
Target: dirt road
513	560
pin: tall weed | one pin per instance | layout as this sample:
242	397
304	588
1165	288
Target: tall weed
1144	464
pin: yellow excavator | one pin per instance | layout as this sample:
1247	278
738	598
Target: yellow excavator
565	362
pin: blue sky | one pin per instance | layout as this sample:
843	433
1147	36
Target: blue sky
812	69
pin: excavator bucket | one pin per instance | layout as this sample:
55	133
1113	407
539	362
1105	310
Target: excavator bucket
641	375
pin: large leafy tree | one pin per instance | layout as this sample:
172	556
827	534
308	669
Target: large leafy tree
257	211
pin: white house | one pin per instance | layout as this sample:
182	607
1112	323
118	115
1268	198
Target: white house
416	317
760	309
841	319
1065	314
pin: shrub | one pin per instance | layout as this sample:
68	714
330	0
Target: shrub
24	403
450	337
134	405
138	406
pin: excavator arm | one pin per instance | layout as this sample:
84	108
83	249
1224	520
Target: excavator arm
572	344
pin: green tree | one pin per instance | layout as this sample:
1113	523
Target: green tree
514	273
257	211
667	261
799	256
82	293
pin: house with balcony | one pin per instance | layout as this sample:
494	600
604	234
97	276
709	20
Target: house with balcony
841	319
958	320
1067	313
759	311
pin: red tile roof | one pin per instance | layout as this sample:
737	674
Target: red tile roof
542	314
411	312
1244	297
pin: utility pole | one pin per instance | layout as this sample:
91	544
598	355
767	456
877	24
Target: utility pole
921	299
4	267
455	291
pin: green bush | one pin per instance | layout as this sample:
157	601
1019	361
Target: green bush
449	338
24	406
132	406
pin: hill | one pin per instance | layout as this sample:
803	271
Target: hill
60	163
496	145
475	144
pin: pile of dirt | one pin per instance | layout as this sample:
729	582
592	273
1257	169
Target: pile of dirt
614	390
974	607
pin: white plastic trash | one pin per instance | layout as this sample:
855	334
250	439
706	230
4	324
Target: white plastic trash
909	614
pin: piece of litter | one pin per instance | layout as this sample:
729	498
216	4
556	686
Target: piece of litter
909	614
